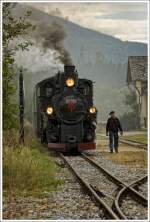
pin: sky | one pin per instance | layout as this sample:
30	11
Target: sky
125	20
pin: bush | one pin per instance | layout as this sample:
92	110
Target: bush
26	170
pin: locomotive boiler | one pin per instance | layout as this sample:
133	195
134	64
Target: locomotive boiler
65	117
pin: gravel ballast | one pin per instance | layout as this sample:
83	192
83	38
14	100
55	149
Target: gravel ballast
70	202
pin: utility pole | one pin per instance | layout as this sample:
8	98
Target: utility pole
21	108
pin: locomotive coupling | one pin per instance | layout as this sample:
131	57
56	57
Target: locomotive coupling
72	143
71	139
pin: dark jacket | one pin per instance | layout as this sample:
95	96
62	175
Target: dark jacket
113	124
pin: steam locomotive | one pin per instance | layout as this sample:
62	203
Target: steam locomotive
65	117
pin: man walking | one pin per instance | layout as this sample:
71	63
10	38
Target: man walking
112	127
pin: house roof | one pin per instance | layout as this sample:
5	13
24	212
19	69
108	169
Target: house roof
137	68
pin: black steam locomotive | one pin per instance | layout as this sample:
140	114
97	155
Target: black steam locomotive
65	117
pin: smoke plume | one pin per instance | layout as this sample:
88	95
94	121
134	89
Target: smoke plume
52	37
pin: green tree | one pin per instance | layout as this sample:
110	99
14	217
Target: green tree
13	29
131	100
131	120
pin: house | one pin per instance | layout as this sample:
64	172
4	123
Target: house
137	79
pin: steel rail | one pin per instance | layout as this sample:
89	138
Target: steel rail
134	143
90	190
125	187
117	180
122	192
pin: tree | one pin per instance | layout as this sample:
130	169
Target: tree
131	100
13	28
131	120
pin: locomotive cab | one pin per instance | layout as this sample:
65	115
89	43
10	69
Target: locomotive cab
67	116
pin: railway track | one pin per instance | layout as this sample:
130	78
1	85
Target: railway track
134	143
123	198
89	189
107	190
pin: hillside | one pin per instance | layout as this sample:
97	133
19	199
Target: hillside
96	55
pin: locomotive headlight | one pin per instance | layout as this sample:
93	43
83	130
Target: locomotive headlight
70	82
49	110
92	109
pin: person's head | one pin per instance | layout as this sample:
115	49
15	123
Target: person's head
112	114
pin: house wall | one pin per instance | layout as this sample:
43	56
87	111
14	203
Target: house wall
141	93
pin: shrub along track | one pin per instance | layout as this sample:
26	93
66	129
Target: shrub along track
106	189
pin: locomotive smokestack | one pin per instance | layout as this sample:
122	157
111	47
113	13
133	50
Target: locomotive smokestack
69	69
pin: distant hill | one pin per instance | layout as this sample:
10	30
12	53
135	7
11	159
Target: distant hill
97	56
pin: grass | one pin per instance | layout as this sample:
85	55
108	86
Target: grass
137	137
100	137
141	137
27	170
128	155
130	158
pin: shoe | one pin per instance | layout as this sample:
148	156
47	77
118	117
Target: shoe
116	150
111	151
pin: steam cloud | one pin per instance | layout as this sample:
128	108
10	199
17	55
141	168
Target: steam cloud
35	60
48	52
52	37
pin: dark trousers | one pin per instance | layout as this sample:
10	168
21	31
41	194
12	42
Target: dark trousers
113	141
